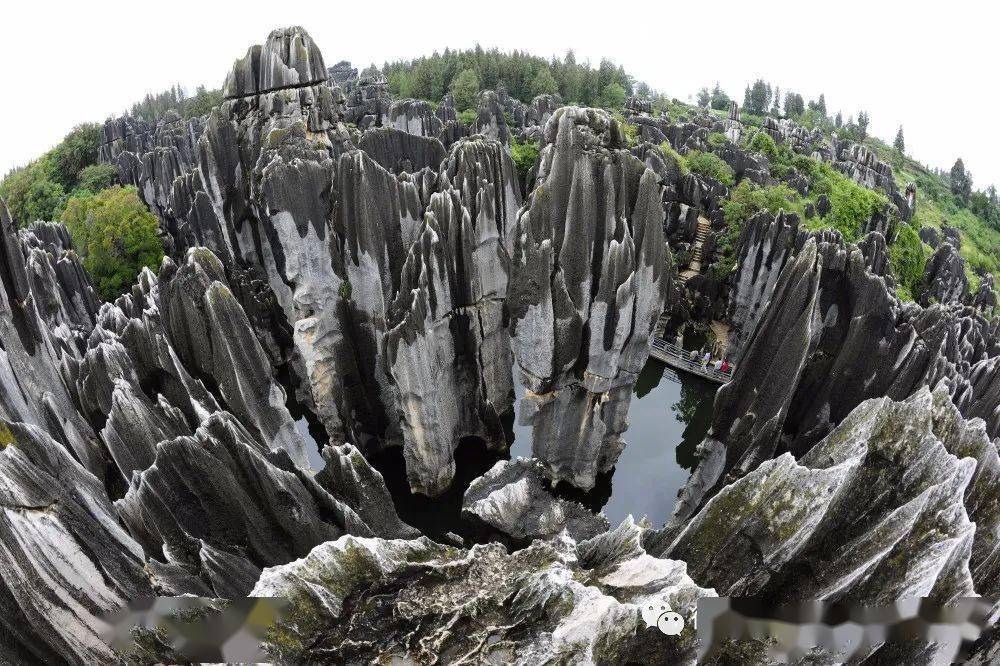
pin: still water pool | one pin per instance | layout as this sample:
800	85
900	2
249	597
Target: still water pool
669	414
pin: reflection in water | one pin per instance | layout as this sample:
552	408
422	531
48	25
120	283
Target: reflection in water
439	515
669	415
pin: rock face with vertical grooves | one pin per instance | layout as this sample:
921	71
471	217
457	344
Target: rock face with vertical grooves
944	276
278	191
358	599
832	335
900	500
145	448
589	278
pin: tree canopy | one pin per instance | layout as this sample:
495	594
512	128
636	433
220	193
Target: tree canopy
520	73
116	236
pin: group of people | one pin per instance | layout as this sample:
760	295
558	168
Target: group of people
720	364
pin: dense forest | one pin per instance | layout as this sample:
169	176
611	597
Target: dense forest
523	76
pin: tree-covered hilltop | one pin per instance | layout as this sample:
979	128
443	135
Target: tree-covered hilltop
155	106
945	198
523	76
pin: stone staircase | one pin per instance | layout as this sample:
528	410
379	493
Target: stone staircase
694	266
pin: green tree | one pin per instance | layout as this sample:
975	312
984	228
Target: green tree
116	235
544	83
794	105
759	98
961	181
704	98
32	194
97	177
899	143
76	151
465	88
776	103
612	96
863	121
720	100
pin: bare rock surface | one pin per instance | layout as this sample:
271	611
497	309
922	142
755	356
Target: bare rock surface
512	498
589	278
368	599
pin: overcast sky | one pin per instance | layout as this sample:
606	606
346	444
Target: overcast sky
931	68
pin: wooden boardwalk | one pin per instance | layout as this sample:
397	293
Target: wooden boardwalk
678	359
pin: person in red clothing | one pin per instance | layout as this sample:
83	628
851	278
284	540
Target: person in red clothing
725	366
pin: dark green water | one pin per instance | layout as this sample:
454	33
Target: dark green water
669	415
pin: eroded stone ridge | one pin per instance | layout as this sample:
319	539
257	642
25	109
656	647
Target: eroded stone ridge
898	501
589	278
369	599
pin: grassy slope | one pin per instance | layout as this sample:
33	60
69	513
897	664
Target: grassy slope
936	205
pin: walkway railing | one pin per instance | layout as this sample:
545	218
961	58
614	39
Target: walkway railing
679	358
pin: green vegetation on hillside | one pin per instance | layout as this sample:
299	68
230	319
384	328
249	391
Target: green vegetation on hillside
38	191
153	107
525	155
116	236
523	75
937	205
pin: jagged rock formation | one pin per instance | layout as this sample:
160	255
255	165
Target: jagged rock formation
985	298
513	499
944	275
589	277
414	116
899	501
368	99
831	336
145	448
376	279
366	599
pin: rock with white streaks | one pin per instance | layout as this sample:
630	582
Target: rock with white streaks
414	116
65	561
833	334
359	599
589	278
513	499
944	276
898	501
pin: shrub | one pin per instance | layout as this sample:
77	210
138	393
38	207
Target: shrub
745	201
762	143
97	177
525	155
465	88
670	154
850	204
710	166
717	140
468	117
907	257
116	236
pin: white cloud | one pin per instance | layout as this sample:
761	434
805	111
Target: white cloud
905	63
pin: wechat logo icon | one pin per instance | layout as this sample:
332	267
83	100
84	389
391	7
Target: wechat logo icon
658	614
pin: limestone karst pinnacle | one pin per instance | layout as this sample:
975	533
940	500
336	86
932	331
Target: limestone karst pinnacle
353	278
